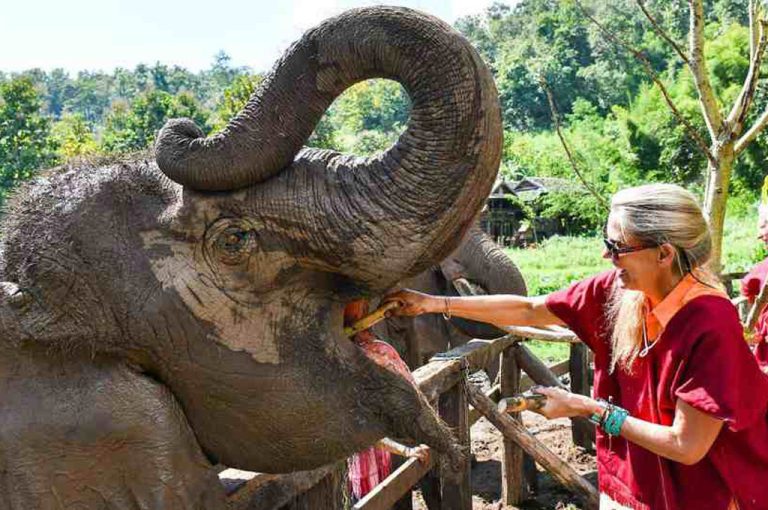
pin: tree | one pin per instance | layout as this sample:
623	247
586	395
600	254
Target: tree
59	90
728	132
92	96
367	118
73	137
25	144
134	127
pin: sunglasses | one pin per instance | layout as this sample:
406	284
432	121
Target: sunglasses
615	250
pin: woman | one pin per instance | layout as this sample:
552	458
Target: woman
682	412
754	282
366	469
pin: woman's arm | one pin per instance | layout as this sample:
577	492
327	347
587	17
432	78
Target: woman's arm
500	310
687	440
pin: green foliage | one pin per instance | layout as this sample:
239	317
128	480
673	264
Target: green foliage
73	137
367	118
134	127
549	353
741	248
559	261
25	142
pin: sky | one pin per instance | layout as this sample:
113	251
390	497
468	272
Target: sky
104	34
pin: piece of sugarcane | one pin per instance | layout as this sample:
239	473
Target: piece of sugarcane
371	319
525	401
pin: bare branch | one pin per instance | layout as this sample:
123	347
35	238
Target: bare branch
698	67
571	160
753	37
703	147
657	28
741	107
750	135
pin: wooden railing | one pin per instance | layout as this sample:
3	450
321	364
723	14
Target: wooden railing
460	404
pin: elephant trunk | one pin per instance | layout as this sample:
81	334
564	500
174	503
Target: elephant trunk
488	265
396	212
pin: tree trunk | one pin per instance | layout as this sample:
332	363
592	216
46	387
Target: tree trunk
718	177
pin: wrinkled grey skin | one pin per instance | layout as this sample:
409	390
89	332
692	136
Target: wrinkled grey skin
159	317
487	268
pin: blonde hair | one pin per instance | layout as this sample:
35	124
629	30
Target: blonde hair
654	214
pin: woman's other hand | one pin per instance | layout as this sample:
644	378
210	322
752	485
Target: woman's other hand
564	404
413	303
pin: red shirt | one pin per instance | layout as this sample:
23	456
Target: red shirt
750	287
701	357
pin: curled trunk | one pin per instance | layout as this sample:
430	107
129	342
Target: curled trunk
376	219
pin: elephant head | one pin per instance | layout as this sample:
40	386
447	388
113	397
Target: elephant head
221	271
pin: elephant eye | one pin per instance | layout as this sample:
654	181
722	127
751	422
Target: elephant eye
232	244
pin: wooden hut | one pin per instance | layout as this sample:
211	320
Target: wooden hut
505	218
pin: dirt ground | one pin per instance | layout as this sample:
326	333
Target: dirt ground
486	468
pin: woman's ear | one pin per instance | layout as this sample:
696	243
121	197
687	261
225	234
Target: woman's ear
667	255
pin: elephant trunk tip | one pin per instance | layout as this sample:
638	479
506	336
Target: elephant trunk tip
173	144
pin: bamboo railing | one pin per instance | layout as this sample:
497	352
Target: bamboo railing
460	404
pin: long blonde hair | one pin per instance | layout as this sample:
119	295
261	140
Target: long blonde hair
654	214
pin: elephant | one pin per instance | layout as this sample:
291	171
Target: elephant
168	311
477	266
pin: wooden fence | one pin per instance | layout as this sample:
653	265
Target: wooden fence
460	404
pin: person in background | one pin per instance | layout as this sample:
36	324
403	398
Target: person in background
754	281
366	469
681	405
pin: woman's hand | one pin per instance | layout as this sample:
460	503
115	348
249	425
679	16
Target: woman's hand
564	404
413	303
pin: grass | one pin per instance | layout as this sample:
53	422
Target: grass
559	261
741	249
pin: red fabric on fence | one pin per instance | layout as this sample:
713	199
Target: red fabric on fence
366	469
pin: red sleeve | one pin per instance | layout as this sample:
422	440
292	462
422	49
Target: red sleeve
720	376
582	307
751	284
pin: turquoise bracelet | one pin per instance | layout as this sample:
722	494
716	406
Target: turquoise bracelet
614	420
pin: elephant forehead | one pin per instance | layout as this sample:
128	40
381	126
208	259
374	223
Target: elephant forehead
236	326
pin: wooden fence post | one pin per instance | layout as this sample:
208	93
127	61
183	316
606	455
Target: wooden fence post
516	481
453	408
512	429
583	433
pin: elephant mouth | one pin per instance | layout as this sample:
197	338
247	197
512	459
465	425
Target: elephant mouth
358	320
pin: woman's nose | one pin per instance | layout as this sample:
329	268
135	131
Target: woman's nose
607	254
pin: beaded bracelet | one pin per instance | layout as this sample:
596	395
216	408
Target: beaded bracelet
598	419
